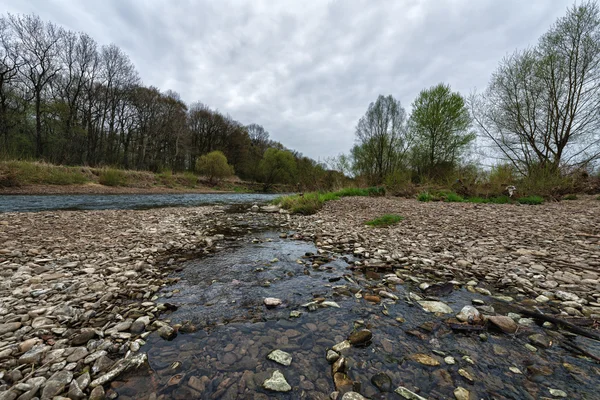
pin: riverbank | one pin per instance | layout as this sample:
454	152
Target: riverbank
82	291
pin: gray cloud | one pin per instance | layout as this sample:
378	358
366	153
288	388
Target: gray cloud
307	70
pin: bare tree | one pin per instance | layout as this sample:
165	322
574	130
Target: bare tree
9	70
541	108
39	52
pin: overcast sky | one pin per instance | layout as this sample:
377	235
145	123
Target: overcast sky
306	70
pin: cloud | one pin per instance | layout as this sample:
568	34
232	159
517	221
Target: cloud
306	71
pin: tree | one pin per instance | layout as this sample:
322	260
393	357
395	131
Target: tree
277	166
382	139
540	109
440	122
214	166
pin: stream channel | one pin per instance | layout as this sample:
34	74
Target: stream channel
224	355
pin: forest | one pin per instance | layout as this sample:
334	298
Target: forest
67	100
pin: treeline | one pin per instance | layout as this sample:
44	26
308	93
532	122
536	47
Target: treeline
67	100
539	118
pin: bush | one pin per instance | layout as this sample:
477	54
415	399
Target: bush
453	198
425	196
385	220
214	166
570	197
112	177
533	200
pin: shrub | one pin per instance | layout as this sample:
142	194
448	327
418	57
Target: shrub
112	177
500	200
570	197
214	166
533	200
452	197
385	220
424	196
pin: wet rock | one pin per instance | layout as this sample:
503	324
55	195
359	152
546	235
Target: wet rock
332	356
342	346
271	302
382	382
450	360
280	357
540	340
353	396
361	338
469	314
407	394
558	393
120	367
166	332
97	393
424	359
372	298
435	307
466	374
505	324
461	393
342	382
198	384
277	383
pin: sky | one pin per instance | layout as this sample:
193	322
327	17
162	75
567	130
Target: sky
306	70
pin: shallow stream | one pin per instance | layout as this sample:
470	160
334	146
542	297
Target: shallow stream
226	357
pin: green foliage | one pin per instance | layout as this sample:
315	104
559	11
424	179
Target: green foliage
532	200
277	166
310	203
440	123
452	197
570	197
113	177
15	173
385	220
425	196
214	166
188	179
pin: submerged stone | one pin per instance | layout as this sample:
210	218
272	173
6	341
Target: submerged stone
280	357
277	383
435	307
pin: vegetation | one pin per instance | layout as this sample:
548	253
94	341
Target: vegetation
533	200
214	166
385	220
277	166
310	203
112	177
452	197
570	197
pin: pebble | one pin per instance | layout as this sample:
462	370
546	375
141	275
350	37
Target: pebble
277	383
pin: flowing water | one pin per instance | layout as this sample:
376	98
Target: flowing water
23	203
226	356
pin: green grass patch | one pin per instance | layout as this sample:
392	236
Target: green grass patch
112	177
532	200
310	203
16	173
385	220
452	197
570	197
425	197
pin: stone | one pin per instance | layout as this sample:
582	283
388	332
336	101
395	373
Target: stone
353	396
277	383
566	296
469	314
450	360
461	393
466	374
166	332
542	299
9	327
372	298
505	324
271	302
361	338
382	382
407	394
56	384
35	355
424	359
557	393
83	337
97	393
280	357
540	340
435	307
77	354
332	356
342	346
27	345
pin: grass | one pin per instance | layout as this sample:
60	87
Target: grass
532	200
310	203
570	197
16	173
452	197
112	177
385	220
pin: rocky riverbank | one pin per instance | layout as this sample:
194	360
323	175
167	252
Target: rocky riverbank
82	292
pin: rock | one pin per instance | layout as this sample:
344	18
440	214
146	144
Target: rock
361	338
140	324
424	359
56	384
9	327
566	296
166	332
277	383
542	299
28	344
450	360
77	354
466	374
120	367
372	298
271	302
470	314
342	346
382	382
75	392
198	384
353	396
540	340
407	394
435	307
461	393
270	209
342	382
280	357
97	393
83	337
332	356
505	324
557	393
35	355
